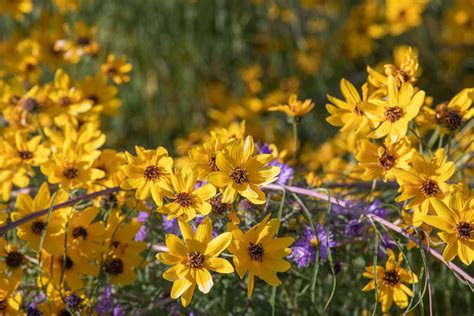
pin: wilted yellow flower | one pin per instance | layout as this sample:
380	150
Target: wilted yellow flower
294	108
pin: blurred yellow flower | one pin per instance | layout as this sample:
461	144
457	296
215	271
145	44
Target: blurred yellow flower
294	108
117	69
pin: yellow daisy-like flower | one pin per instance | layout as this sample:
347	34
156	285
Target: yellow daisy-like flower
203	158
294	108
10	298
32	231
458	110
403	15
148	173
258	253
353	114
390	281
455	219
242	172
187	200
425	183
384	161
117	69
394	114
192	260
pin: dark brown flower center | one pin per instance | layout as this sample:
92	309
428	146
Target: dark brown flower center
37	227
218	207
213	164
184	199
195	260
256	252
3	305
464	230
358	111
393	114
66	263
387	161
451	119
391	278
430	188
83	41
79	232
94	99
30	105
114	266
25	154
14	259
70	172
152	172
239	175
64	101
111	71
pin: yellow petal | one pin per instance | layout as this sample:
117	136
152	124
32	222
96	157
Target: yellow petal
219	265
218	244
179	287
204	280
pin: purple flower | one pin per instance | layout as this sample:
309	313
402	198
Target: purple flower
286	172
375	209
354	228
171	226
142	233
73	301
105	303
304	250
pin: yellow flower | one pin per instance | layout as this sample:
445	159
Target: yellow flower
117	69
450	116
192	260
83	42
69	269
103	96
353	114
187	200
403	15
394	114
17	8
258	253
425	183
84	235
9	298
203	158
242	172
390	281
31	231
68	99
70	172
110	162
14	261
406	70
294	108
384	161
124	253
148	173
456	222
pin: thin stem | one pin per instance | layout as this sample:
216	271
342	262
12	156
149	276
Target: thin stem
296	146
70	202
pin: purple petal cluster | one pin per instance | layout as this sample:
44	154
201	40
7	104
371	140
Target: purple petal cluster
303	251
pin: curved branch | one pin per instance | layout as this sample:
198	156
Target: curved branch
70	202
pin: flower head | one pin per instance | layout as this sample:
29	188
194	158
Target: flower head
192	259
294	108
258	253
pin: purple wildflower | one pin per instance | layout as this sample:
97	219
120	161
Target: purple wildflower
170	226
304	250
286	172
73	301
142	233
105	303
